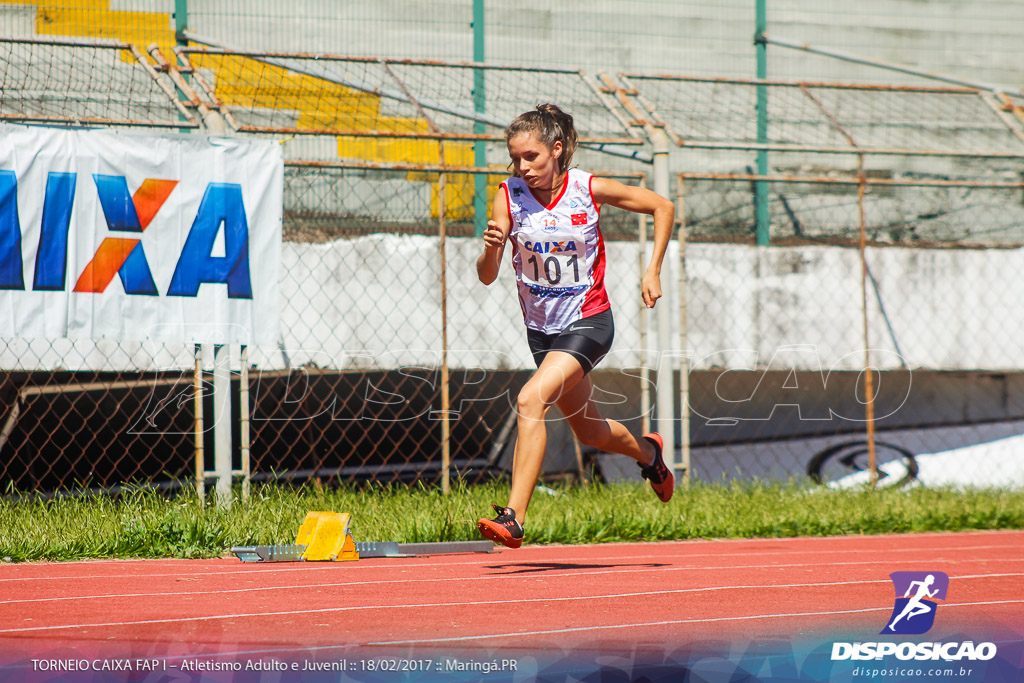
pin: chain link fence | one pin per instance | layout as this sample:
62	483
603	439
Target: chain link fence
395	363
353	392
777	337
85	82
979	40
874	338
894	215
371	335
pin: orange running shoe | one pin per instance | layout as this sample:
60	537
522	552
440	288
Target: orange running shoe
503	529
662	480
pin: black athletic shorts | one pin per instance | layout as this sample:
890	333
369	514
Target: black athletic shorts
588	339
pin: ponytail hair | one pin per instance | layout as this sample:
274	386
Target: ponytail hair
550	124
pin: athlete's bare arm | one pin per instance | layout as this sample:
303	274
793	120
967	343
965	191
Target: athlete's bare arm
495	237
640	200
921	588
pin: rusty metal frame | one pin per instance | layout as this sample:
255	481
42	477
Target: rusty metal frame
192	96
1009	111
609	145
630	90
23	396
603	92
208	94
853	180
188	121
213	48
834	122
882	64
1000	106
830	85
862	183
402	95
445	412
610	86
355	164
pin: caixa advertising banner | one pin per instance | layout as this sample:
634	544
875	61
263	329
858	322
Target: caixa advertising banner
109	235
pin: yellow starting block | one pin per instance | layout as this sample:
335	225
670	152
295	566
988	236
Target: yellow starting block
327	536
323	537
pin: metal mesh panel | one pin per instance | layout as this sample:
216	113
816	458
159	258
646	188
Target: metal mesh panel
268	92
353	389
95	414
352	392
779	338
104	83
898	211
363	313
816	116
709	38
381	161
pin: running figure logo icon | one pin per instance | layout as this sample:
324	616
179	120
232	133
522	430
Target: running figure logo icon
914	612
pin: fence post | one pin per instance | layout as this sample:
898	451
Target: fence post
666	395
180	29
222	427
197	385
645	355
684	359
869	384
180	21
446	447
479	106
243	421
762	217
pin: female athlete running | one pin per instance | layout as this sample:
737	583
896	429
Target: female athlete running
550	214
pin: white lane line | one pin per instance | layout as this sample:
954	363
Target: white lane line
473	603
508	635
690	542
506	559
290	587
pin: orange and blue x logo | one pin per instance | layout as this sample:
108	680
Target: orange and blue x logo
120	255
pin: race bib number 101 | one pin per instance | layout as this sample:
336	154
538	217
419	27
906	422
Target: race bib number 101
554	263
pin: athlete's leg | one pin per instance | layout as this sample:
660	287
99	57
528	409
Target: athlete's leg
558	373
595	431
919	609
892	626
612	436
909	607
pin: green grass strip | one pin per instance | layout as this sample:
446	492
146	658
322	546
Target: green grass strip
143	524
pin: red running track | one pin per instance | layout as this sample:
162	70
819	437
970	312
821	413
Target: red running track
537	597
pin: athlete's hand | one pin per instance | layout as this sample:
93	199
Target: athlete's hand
650	288
493	236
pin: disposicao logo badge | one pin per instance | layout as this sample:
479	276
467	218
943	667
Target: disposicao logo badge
916	595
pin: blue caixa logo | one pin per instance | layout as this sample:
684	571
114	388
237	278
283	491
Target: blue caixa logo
916	595
123	256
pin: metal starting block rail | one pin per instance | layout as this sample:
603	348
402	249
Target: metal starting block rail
327	537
